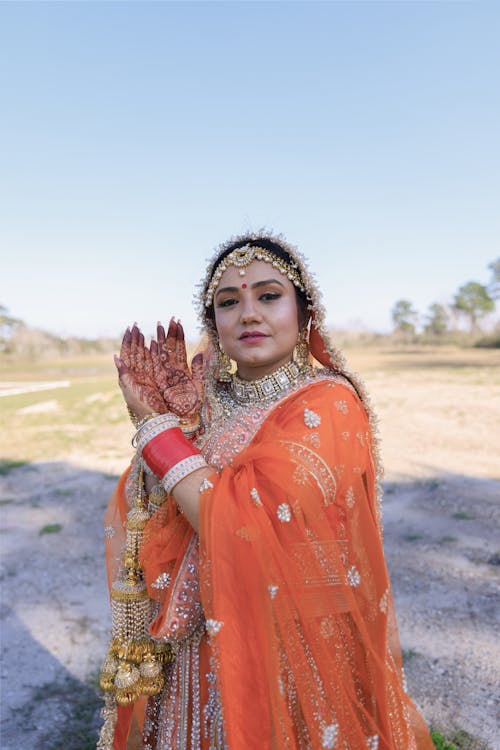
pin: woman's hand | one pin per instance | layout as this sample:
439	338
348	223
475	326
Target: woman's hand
135	375
182	389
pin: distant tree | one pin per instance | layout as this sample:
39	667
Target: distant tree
404	317
8	325
494	285
437	320
473	301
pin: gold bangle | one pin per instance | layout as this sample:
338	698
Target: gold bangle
189	428
133	417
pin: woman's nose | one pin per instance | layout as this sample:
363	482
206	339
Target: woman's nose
248	311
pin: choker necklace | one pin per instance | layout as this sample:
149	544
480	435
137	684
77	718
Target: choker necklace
270	386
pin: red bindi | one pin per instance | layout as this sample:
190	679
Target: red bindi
243	286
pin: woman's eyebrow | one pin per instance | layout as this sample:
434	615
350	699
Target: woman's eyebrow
267	281
254	286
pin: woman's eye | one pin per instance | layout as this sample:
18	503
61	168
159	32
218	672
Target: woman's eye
267	296
227	302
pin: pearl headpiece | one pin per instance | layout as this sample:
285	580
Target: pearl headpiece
242	257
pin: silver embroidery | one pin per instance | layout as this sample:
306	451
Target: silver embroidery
109	532
311	419
372	742
273	590
349	497
342	406
329	736
213	626
255	496
384	601
284	513
206	485
353	576
162	582
403	680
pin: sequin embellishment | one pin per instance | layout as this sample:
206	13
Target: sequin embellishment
255	496
353	576
206	485
349	497
109	532
384	601
273	590
329	736
162	582
284	513
311	419
213	626
342	406
372	742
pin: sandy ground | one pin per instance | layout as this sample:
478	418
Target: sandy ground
440	439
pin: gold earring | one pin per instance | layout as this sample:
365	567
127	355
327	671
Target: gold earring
224	365
302	349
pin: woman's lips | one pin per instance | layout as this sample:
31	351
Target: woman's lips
252	337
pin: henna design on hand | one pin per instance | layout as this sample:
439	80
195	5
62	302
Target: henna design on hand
181	388
136	372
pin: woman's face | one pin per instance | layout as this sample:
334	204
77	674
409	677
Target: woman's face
256	318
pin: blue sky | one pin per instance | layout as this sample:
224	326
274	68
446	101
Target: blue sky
134	137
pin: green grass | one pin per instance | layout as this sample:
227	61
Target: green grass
7	465
412	537
463	516
458	740
50	528
448	539
408	653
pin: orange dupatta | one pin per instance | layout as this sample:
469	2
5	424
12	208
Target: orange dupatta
295	587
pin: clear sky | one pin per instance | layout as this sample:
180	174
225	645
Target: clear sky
134	137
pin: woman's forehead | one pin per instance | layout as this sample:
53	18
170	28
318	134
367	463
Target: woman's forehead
257	270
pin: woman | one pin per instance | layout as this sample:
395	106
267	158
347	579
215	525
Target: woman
252	608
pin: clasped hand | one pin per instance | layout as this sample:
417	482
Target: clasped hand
158	378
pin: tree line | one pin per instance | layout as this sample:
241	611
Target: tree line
471	303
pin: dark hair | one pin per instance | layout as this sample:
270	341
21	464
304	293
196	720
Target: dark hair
275	249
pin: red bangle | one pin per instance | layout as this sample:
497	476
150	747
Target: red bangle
166	450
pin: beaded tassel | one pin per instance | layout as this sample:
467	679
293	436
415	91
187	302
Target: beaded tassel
133	666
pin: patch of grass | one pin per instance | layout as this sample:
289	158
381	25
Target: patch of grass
6	466
462	515
7	501
458	740
77	706
412	537
50	528
433	484
408	653
448	539
64	493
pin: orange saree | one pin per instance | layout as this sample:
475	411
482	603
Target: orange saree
283	621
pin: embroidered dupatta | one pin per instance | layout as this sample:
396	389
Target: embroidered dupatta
295	587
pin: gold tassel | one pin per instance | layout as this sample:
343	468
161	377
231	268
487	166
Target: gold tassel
134	665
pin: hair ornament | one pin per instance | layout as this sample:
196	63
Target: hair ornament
241	259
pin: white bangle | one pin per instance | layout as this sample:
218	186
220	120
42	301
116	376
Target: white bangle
155	427
181	470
